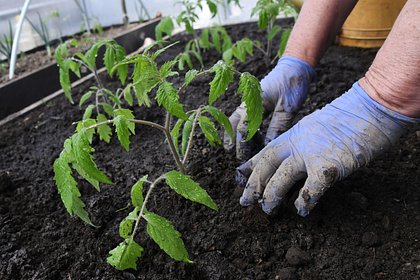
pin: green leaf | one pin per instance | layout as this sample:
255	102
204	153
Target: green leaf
186	187
107	108
227	55
85	97
210	132
165	26
283	41
273	32
212	7
221	118
104	130
88	112
166	236
126	225
128	97
67	188
137	192
82	153
216	39
125	255
145	77
204	39
65	80
175	133
85	124
223	77
250	88
242	48
186	132
190	76
109	59
167	96
124	127
166	69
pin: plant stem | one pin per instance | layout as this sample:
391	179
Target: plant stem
143	207
268	53
190	139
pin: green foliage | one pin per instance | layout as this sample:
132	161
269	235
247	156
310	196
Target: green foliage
186	187
223	77
165	26
125	255
42	30
123	127
283	41
6	43
209	130
166	236
250	88
103	108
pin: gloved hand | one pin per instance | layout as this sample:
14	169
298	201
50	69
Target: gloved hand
326	146
284	90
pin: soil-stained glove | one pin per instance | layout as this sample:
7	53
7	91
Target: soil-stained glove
284	90
326	146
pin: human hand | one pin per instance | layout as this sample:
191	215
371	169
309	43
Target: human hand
325	146
284	90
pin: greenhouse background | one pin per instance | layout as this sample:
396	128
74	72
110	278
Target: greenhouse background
64	17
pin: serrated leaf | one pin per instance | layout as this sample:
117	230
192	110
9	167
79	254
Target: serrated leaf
145	77
123	126
227	55
85	124
242	48
283	41
166	236
250	88
190	76
65	80
165	26
128	97
88	112
109	59
215	38
221	118
67	188
175	133
186	132
166	69
273	32
126	225
125	255
104	130
85	97
82	153
167	96
137	192
210	132
186	187
107	108
221	80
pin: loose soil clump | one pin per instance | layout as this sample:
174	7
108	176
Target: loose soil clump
366	227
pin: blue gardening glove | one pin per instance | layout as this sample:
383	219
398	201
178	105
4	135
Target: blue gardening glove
325	146
284	90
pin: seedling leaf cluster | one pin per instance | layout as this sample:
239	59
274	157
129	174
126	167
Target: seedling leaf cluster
108	113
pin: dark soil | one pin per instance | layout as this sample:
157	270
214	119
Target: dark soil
366	227
38	58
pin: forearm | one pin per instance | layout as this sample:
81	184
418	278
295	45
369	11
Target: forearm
316	27
393	80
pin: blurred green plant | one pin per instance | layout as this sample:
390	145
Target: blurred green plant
6	43
42	30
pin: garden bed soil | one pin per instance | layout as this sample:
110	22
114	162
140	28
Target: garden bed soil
38	57
366	227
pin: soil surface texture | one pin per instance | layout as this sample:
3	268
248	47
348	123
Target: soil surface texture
366	227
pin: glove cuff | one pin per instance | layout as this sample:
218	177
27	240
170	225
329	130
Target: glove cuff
305	65
403	120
